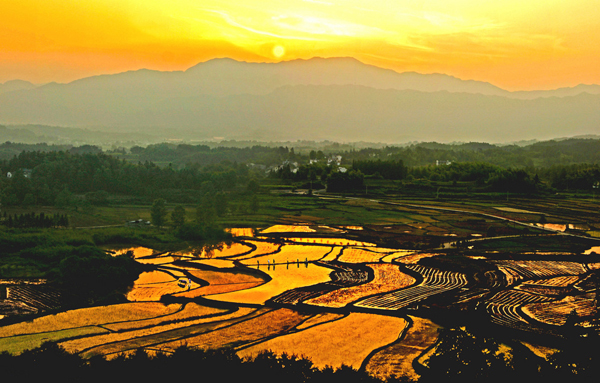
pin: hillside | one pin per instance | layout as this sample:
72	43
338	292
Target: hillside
337	99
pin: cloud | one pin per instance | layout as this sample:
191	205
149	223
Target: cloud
319	2
234	23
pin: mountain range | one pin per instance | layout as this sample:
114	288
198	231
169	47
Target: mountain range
336	98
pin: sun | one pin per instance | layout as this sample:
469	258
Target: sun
278	51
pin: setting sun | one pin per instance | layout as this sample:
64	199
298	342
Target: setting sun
278	51
512	44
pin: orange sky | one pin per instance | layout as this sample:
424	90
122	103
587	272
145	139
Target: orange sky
517	45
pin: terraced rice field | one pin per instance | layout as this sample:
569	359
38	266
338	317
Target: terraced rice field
221	281
556	312
114	343
152	285
386	278
434	282
76	323
266	325
90	316
342	276
410	258
334	300
541	269
330	241
348	340
137	251
287	229
241	232
397	359
223	251
504	307
290	254
260	248
354	255
283	278
549	286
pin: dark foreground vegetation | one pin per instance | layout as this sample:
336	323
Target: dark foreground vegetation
185	363
459	355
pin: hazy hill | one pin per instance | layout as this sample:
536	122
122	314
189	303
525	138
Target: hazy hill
337	99
13	85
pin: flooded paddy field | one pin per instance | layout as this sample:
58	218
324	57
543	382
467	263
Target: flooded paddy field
373	297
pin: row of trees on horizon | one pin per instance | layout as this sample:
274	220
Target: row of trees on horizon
62	178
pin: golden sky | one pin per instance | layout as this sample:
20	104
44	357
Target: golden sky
517	45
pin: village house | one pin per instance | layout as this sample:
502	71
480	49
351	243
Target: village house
26	173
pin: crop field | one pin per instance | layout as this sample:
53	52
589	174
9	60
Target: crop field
241	232
342	276
138	251
115	343
318	319
551	286
397	358
434	282
329	241
543	269
283	278
371	296
260	248
89	317
290	254
257	328
220	281
354	255
504	307
348	340
84	328
287	229
151	286
386	278
224	250
556	312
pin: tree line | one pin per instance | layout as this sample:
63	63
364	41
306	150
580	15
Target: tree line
62	178
33	220
87	176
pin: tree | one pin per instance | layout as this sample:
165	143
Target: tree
253	185
64	198
460	354
254	204
340	182
221	204
206	211
29	200
178	216
158	212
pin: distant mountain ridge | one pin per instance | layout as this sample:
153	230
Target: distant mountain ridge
227	77
337	99
14	85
